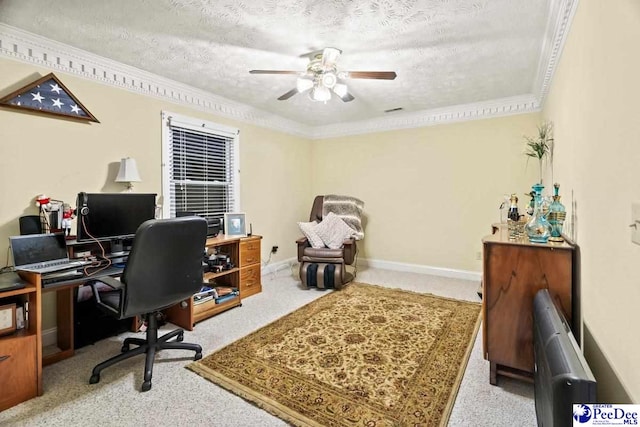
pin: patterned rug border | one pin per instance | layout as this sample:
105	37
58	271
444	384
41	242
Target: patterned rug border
283	412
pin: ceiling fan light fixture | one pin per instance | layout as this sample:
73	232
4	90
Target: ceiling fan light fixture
322	78
340	89
320	93
329	80
330	56
303	84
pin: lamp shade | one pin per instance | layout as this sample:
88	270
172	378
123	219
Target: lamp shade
128	171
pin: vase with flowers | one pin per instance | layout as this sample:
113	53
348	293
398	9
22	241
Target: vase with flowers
541	147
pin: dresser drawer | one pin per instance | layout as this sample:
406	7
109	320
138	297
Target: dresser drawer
250	282
17	370
249	252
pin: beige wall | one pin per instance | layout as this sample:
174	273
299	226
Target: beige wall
594	104
432	193
41	154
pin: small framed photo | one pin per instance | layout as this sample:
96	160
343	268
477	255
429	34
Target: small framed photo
7	319
235	224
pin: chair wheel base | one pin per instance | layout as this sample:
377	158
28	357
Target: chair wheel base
146	386
95	378
180	337
198	356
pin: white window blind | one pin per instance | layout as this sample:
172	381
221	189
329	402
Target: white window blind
200	167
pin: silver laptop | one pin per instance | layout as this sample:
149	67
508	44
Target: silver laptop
41	253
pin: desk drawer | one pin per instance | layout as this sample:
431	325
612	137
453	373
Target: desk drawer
17	370
249	252
250	282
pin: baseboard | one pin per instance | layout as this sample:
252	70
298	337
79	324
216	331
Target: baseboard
423	269
611	389
391	265
49	337
277	266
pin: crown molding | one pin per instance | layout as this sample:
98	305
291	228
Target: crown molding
27	47
560	14
457	113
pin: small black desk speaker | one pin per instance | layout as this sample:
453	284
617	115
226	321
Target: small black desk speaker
30	224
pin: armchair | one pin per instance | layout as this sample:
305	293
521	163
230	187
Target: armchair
164	268
325	267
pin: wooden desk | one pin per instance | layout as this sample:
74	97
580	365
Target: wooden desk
21	369
513	272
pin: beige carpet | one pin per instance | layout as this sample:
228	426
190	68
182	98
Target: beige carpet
363	356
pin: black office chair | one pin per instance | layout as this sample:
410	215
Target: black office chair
164	268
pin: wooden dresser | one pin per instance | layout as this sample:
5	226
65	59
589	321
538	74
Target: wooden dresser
513	272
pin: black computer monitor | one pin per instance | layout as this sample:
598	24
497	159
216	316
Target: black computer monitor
112	216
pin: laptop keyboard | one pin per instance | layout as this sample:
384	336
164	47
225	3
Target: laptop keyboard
59	265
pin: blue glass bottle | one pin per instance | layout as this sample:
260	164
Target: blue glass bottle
556	216
538	228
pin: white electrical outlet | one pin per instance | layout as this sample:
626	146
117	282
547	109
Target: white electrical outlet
478	256
635	223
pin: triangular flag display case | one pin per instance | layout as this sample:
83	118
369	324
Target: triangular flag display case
49	96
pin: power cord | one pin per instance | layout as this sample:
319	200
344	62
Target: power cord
7	267
355	263
265	263
98	263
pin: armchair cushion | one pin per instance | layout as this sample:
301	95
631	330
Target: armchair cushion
333	231
308	229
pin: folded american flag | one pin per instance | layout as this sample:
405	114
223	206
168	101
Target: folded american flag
48	95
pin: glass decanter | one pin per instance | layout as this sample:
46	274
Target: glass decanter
538	228
556	216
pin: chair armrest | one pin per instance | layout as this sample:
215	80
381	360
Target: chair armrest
112	282
350	249
302	243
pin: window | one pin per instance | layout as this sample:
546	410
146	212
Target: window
200	168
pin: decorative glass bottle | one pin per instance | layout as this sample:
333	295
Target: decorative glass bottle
538	228
556	216
513	214
513	219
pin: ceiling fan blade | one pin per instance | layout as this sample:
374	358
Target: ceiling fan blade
274	72
341	90
347	97
383	75
288	94
312	54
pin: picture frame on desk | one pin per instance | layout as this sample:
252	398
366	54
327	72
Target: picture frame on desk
7	319
235	224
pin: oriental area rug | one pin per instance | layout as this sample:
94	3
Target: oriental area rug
363	356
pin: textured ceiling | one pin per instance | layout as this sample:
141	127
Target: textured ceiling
445	52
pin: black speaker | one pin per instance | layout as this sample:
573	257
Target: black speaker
30	224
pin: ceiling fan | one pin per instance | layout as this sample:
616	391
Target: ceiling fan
323	77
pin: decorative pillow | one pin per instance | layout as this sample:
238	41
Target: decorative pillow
308	229
333	231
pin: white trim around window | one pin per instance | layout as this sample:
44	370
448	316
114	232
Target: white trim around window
200	167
